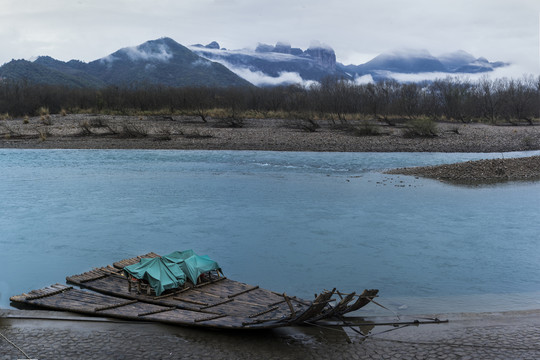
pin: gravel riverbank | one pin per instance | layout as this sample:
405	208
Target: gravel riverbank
480	171
87	131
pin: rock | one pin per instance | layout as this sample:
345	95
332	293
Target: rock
264	48
282	48
213	45
323	54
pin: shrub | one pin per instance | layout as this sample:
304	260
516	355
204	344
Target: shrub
308	125
46	119
43	111
130	130
85	129
366	129
43	134
421	127
164	135
97	123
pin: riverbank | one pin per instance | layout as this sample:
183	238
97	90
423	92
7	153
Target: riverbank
54	335
480	171
86	131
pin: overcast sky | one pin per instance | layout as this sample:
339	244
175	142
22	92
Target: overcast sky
500	30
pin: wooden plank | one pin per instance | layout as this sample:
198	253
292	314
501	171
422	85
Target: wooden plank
156	311
293	313
93	278
167	295
243	292
363	299
211	318
217	304
48	293
316	307
263	312
261	321
223	288
114	306
191	301
210	282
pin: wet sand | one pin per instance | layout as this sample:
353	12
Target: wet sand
56	335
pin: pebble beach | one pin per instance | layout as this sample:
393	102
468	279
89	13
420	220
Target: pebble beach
91	131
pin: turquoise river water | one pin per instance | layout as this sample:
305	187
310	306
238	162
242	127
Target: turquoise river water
290	222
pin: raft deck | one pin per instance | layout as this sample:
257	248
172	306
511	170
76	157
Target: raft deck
218	302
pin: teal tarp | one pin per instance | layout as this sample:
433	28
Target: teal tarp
170	271
192	265
161	275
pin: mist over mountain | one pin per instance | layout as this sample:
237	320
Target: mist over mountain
155	62
390	64
279	64
269	63
166	62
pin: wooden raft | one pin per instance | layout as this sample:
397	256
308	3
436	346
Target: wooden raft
66	298
223	297
219	302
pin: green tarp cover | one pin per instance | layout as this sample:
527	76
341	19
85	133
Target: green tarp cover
170	271
192	265
161	275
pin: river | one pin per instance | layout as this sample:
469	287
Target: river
294	222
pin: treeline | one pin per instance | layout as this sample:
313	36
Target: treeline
452	98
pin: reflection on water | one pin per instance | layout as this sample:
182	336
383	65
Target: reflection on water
293	222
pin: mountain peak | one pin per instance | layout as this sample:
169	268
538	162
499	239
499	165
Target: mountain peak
315	44
166	62
213	45
456	59
153	50
405	61
410	53
323	54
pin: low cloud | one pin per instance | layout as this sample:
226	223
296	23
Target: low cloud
511	71
136	53
161	53
258	78
201	62
109	59
364	79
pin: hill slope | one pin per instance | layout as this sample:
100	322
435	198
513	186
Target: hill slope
156	62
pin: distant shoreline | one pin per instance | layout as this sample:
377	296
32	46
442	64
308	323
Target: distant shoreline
87	131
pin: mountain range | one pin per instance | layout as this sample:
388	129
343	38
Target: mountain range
166	62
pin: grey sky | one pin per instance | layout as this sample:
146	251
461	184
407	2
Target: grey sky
357	30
